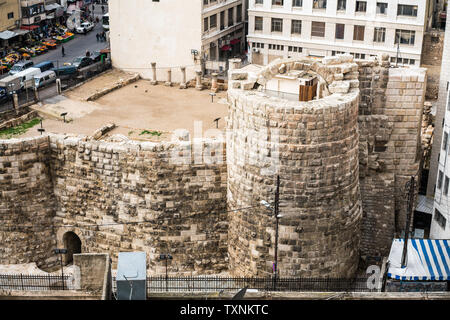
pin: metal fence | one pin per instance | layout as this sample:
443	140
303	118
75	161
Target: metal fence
25	282
26	96
217	284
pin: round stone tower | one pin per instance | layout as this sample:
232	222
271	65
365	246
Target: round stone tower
297	119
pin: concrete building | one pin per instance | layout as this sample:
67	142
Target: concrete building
9	14
194	34
33	13
438	182
288	28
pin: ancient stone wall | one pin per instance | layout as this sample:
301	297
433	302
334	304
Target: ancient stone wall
317	150
26	202
144	201
390	148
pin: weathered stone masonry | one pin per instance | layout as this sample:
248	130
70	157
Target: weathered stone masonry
84	183
343	162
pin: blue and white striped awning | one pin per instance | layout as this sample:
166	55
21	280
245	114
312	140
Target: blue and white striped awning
426	260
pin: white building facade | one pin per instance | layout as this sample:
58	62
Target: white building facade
286	28
193	34
440	223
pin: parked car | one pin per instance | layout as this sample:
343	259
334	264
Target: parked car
81	62
45	65
97	56
20	66
4	96
65	72
27	75
44	78
85	27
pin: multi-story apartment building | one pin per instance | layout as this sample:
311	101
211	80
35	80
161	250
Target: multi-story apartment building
9	14
33	13
175	33
283	28
440	223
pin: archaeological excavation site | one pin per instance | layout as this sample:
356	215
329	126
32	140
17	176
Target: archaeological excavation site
343	135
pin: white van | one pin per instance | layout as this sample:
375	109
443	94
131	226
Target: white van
27	77
44	78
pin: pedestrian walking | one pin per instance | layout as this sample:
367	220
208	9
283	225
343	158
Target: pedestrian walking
63	51
98	37
103	9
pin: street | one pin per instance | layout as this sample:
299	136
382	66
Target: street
78	46
74	48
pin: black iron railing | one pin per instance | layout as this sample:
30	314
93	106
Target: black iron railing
214	284
25	282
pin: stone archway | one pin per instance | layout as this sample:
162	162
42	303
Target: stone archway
73	245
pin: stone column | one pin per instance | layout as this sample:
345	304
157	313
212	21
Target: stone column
154	82
58	86
16	102
183	84
234	64
214	86
198	80
169	78
36	94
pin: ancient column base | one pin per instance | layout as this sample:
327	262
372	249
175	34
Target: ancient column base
215	90
168	84
199	88
183	86
154	83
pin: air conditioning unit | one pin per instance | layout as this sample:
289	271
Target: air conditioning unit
256	50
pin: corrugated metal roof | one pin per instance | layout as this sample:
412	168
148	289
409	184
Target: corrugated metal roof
425	204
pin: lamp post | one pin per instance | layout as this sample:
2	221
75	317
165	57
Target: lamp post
61	252
410	188
277	216
166	257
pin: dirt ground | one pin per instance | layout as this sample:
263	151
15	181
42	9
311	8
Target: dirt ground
95	85
136	108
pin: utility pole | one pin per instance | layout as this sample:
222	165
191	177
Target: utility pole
410	188
276	212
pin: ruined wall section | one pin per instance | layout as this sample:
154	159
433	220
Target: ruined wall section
26	203
183	204
390	148
317	151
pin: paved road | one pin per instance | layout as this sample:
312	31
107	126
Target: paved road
74	48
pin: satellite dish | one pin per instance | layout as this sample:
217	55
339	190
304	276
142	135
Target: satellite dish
74	21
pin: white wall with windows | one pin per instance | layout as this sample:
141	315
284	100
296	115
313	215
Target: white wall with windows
440	223
362	28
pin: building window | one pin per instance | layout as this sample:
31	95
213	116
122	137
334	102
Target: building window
379	34
277	25
340	29
319	4
205	24
230	16
296	27
258	23
446	185
277	2
441	175
439	218
341	5
297	3
407	10
358	33
318	29
213	21
294	49
444	142
11	15
405	36
382	8
259	1
361	6
239	13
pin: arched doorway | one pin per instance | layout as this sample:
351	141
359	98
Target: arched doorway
73	245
